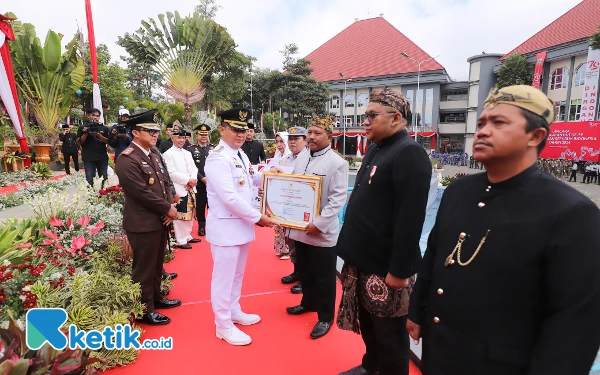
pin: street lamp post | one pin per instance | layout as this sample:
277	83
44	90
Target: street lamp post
343	102
415	115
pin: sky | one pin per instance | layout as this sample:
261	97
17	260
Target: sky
453	29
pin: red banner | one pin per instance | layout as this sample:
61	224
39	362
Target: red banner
539	69
573	140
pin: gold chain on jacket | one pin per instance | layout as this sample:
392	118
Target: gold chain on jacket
458	248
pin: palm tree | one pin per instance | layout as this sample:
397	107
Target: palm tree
182	50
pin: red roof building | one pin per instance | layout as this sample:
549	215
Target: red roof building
364	38
393	62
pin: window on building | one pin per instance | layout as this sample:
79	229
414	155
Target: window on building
561	111
409	97
335	101
349	120
451	96
575	112
580	75
428	110
559	78
363	100
349	101
453	117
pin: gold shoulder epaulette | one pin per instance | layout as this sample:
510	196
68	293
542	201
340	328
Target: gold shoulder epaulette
218	149
127	151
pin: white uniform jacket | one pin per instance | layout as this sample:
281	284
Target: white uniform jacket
181	168
334	171
231	218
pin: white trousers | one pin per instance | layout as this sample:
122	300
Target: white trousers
229	264
183	231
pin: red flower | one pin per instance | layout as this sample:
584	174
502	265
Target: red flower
55	222
84	221
24	246
49	234
97	228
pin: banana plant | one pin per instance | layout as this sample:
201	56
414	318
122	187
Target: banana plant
46	77
182	50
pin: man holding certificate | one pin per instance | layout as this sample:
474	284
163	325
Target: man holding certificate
230	224
315	245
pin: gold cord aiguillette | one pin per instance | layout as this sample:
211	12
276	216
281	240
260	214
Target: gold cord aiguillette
461	238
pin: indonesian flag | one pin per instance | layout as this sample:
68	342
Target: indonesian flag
8	86
97	99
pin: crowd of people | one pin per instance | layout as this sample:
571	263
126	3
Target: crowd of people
495	292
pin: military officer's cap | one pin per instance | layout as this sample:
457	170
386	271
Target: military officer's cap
237	118
296	131
188	134
202	129
146	120
65	126
179	132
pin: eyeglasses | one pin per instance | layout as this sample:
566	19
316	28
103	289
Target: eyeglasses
371	116
151	131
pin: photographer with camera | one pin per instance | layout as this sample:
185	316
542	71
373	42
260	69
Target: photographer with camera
93	138
120	138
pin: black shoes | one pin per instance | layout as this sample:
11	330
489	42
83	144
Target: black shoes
201	232
164	303
186	246
296	289
290	279
154	319
321	329
297	310
169	276
194	240
359	370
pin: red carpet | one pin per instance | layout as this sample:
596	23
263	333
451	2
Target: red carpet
280	343
14	188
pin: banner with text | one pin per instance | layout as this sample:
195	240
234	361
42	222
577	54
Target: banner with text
539	69
589	103
573	140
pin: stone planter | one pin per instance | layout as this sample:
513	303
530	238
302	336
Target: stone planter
42	152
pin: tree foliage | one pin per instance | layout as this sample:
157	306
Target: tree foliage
110	79
515	71
207	8
141	79
595	40
183	50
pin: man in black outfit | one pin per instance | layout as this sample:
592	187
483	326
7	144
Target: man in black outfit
379	241
509	284
93	138
69	149
168	143
252	148
200	153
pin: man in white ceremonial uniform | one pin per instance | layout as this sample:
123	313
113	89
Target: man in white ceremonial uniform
230	224
315	246
184	174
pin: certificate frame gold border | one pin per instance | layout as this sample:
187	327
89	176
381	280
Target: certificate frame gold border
297	178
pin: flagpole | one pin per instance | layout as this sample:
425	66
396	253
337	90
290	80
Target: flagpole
97	98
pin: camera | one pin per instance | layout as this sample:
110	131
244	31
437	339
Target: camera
94	127
121	130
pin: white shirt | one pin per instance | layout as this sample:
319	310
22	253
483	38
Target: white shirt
231	217
181	167
146	152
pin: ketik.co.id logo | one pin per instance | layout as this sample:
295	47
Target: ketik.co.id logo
44	326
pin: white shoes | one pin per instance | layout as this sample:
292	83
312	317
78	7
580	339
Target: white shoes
233	336
245	319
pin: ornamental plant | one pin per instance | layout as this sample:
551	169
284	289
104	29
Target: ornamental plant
112	195
16	281
70	241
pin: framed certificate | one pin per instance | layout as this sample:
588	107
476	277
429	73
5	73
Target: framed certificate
292	200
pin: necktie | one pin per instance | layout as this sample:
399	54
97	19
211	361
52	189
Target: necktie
242	159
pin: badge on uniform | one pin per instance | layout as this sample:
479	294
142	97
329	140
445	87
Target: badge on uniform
241	181
373	170
151	181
